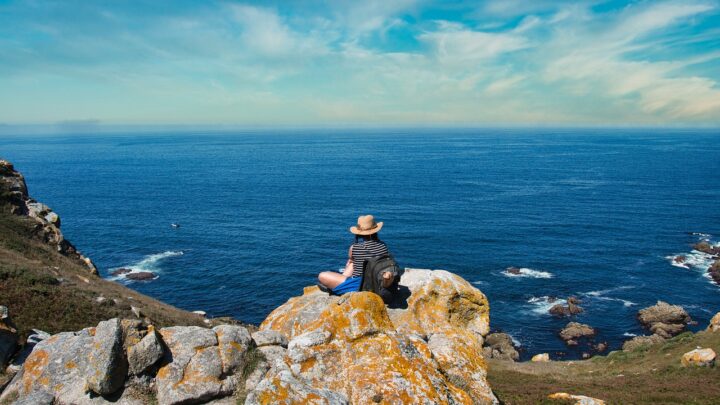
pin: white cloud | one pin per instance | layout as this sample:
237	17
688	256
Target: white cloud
455	44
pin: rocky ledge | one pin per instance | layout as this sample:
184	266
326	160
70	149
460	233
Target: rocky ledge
315	348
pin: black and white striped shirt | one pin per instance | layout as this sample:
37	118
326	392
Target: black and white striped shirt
364	250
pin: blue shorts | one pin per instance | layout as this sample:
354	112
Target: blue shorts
349	285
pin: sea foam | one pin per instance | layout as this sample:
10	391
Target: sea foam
530	273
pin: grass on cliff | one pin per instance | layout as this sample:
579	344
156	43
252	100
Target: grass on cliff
650	375
48	291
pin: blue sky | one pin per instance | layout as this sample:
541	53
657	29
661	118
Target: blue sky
373	62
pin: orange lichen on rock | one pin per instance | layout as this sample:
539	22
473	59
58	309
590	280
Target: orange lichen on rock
353	348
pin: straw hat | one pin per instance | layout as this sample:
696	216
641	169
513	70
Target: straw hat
366	225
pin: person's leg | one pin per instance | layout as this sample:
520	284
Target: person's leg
331	279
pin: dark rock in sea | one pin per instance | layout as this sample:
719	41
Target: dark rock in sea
500	346
513	270
600	347
141	275
679	259
663	319
714	271
706	247
569	309
120	271
574	331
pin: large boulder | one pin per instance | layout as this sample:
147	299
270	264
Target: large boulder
663	319
571	307
714	325
145	354
192	370
427	352
34	337
8	337
576	399
706	247
699	358
500	346
57	371
107	365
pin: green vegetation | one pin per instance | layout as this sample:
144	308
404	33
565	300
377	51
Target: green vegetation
649	375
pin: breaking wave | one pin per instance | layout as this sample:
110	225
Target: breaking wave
150	263
541	305
530	273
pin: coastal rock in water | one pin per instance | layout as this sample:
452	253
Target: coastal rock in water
140	276
664	319
577	399
8	337
388	360
574	331
269	338
513	270
569	309
706	247
107	365
500	346
714	325
146	353
699	358
642	341
192	369
541	357
714	271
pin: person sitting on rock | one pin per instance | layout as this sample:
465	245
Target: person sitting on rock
367	245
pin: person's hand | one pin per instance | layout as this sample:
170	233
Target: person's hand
387	279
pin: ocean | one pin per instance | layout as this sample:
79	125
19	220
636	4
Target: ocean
594	213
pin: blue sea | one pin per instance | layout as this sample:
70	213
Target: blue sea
595	213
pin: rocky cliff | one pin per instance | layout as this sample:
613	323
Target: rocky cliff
315	348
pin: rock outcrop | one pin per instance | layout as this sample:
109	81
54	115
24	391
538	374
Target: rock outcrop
638	342
664	320
14	194
571	307
500	346
540	358
574	331
714	325
576	399
706	247
699	358
125	362
313	349
353	349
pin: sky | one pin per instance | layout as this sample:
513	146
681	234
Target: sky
371	62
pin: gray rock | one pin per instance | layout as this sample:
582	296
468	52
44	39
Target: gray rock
56	369
663	312
574	331
36	336
192	370
297	347
233	341
641	341
500	346
273	354
269	338
145	354
297	390
107	364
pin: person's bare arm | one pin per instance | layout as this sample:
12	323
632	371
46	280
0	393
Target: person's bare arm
349	264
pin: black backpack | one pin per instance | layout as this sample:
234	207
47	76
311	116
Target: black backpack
373	270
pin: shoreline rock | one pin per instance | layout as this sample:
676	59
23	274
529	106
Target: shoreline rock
574	331
664	320
500	346
571	308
